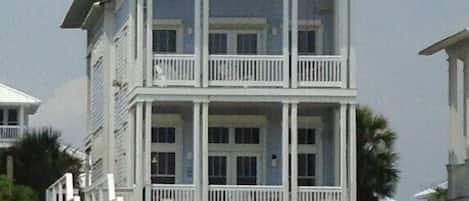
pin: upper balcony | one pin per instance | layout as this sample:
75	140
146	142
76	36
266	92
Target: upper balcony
246	43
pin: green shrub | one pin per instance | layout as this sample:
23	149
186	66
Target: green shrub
10	192
24	193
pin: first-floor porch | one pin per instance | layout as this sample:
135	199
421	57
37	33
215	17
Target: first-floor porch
219	151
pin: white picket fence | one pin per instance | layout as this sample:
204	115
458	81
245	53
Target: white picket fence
102	190
62	190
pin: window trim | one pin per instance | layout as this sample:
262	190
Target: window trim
316	26
232	39
171	120
174	25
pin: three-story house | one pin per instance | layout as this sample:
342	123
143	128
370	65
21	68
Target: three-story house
220	100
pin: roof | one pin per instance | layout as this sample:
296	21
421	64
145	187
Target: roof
77	13
445	43
9	95
425	194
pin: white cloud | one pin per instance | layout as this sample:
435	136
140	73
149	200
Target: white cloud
65	111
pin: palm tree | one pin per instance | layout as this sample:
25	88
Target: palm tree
39	160
377	175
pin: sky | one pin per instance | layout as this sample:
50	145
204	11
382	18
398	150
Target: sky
409	90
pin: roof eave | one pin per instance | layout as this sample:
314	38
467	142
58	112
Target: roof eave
76	14
445	43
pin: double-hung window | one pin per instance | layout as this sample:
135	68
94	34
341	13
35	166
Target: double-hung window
164	41
234	42
12	117
307	42
163	169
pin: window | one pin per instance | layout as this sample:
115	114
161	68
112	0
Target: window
218	43
163	135
1	117
247	136
306	42
247	44
218	135
217	170
12	117
246	168
306	169
164	41
306	136
163	167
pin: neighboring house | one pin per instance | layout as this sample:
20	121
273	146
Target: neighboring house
429	194
214	100
15	108
457	48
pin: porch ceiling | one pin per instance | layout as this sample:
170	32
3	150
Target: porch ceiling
446	43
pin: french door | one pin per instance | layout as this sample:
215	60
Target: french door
235	168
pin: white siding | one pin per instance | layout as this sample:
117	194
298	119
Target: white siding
96	115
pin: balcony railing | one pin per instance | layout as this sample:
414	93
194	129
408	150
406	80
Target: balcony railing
246	70
249	71
10	132
321	71
246	193
161	192
320	193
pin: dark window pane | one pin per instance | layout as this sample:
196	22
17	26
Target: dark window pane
247	44
218	43
12	117
247	136
164	41
246	170
306	136
171	163
1	117
306	42
306	181
218	135
163	135
217	170
163	180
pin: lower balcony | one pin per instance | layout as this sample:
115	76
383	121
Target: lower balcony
250	71
9	135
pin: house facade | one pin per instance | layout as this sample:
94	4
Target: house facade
456	47
220	100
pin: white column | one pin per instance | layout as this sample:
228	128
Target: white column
285	41
147	143
196	157
294	45
343	149
140	53
197	41
22	117
457	153
285	151
353	153
294	151
205	151
149	44
341	35
138	151
466	101
131	149
205	32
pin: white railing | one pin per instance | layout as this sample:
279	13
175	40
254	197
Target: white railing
246	70
171	192
320	193
246	193
62	190
321	71
102	190
9	132
174	70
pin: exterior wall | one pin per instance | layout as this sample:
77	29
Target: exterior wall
273	144
269	9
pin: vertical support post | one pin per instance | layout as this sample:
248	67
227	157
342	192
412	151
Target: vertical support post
22	117
139	41
285	43
138	151
147	142
294	45
196	157
457	154
149	44
60	192
294	151
54	194
285	151
130	157
197	40
466	101
111	187
353	152
343	149
205	151
205	32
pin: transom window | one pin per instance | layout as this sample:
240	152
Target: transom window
163	167
164	41
163	135
234	42
247	135
218	135
306	136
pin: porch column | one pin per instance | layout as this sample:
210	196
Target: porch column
294	45
149	44
205	34
21	120
205	151
294	151
138	151
197	41
457	153
466	101
353	153
131	147
286	45
196	157
343	149
285	150
147	147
